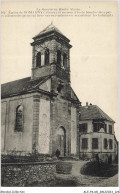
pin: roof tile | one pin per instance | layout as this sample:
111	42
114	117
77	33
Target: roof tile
93	112
21	85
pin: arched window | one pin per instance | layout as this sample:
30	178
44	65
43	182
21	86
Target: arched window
38	59
58	57
19	119
64	60
47	57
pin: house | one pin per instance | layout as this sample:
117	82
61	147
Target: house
40	113
97	136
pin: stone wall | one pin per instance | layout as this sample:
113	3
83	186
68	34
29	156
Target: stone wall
26	174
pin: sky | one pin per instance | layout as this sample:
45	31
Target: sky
93	57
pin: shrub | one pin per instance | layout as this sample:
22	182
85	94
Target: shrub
32	157
63	167
99	169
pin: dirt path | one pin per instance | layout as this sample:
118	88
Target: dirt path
86	181
76	166
110	182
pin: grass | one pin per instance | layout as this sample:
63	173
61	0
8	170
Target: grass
58	182
99	169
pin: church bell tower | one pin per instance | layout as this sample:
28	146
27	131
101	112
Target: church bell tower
51	54
51	62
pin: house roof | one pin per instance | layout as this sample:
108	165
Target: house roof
20	86
93	112
49	29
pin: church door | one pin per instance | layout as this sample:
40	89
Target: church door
61	141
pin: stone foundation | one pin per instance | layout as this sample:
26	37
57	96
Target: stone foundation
26	174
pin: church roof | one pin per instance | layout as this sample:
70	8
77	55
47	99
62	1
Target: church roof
20	86
93	112
49	29
27	85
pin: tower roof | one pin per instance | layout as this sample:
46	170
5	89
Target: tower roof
50	29
93	112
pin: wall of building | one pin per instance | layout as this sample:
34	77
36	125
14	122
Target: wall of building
27	174
110	123
100	137
65	91
42	118
44	125
89	125
104	154
60	117
17	141
60	114
73	130
41	72
116	147
46	86
107	136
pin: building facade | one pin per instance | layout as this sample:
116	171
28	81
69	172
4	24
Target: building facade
42	113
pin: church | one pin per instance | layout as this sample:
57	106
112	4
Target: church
42	113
